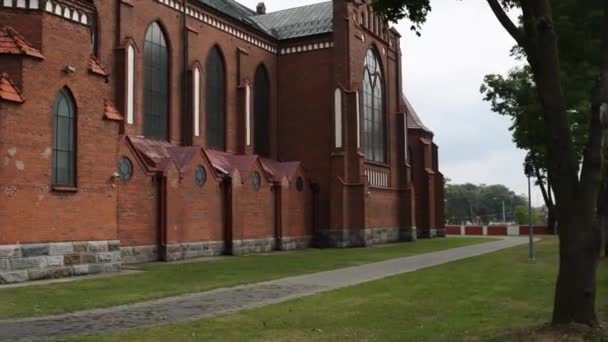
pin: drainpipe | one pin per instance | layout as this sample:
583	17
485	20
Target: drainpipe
316	238
227	215
162	253
278	215
186	110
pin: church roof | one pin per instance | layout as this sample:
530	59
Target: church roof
299	21
278	170
414	121
12	43
290	23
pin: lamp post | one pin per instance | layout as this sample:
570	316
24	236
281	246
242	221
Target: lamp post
504	216
529	171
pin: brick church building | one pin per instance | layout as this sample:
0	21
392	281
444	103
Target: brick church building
141	130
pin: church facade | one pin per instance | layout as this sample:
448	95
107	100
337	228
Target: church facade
143	130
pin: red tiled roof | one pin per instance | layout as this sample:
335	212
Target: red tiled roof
12	43
95	67
183	156
154	153
413	121
8	90
278	169
111	113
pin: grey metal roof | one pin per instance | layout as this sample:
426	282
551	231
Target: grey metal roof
299	21
235	10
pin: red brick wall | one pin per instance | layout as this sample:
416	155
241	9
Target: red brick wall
253	215
497	230
452	230
540	230
196	213
138	206
29	210
296	215
382	209
302	118
473	230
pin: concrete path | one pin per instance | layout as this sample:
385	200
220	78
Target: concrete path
229	300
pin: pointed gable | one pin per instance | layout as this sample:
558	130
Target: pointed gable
279	170
8	90
12	43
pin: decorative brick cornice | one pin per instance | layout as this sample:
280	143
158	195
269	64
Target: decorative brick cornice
306	48
60	9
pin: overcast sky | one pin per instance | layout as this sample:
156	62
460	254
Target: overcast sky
442	72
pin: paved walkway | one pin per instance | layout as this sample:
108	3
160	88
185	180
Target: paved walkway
229	300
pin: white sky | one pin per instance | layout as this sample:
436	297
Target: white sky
442	71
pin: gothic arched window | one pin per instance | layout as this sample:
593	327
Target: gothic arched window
262	112
216	100
373	109
156	83
64	140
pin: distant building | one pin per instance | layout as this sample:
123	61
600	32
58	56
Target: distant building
144	130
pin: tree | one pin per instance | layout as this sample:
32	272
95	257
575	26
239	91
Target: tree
576	187
469	202
515	96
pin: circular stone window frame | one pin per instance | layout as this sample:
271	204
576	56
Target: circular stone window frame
128	174
256	181
200	181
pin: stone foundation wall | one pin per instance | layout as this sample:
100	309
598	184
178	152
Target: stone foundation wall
194	250
20	263
295	243
139	254
257	246
365	237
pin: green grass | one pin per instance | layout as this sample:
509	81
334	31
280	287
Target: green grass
472	299
165	280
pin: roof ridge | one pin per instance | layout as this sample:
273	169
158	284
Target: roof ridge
292	8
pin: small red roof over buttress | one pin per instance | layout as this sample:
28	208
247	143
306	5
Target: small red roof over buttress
12	43
111	113
8	90
278	169
96	68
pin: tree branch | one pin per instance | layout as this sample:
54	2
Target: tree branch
507	23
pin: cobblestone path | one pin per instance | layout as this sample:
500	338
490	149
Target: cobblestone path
229	300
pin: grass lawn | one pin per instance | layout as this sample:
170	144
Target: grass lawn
473	299
165	280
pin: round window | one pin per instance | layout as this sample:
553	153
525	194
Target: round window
125	169
200	176
256	180
300	184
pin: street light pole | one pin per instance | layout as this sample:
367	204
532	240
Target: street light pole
504	217
529	171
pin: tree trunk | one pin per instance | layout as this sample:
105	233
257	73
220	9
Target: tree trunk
576	283
604	239
552	220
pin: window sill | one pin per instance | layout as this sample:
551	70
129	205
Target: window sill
375	163
67	189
